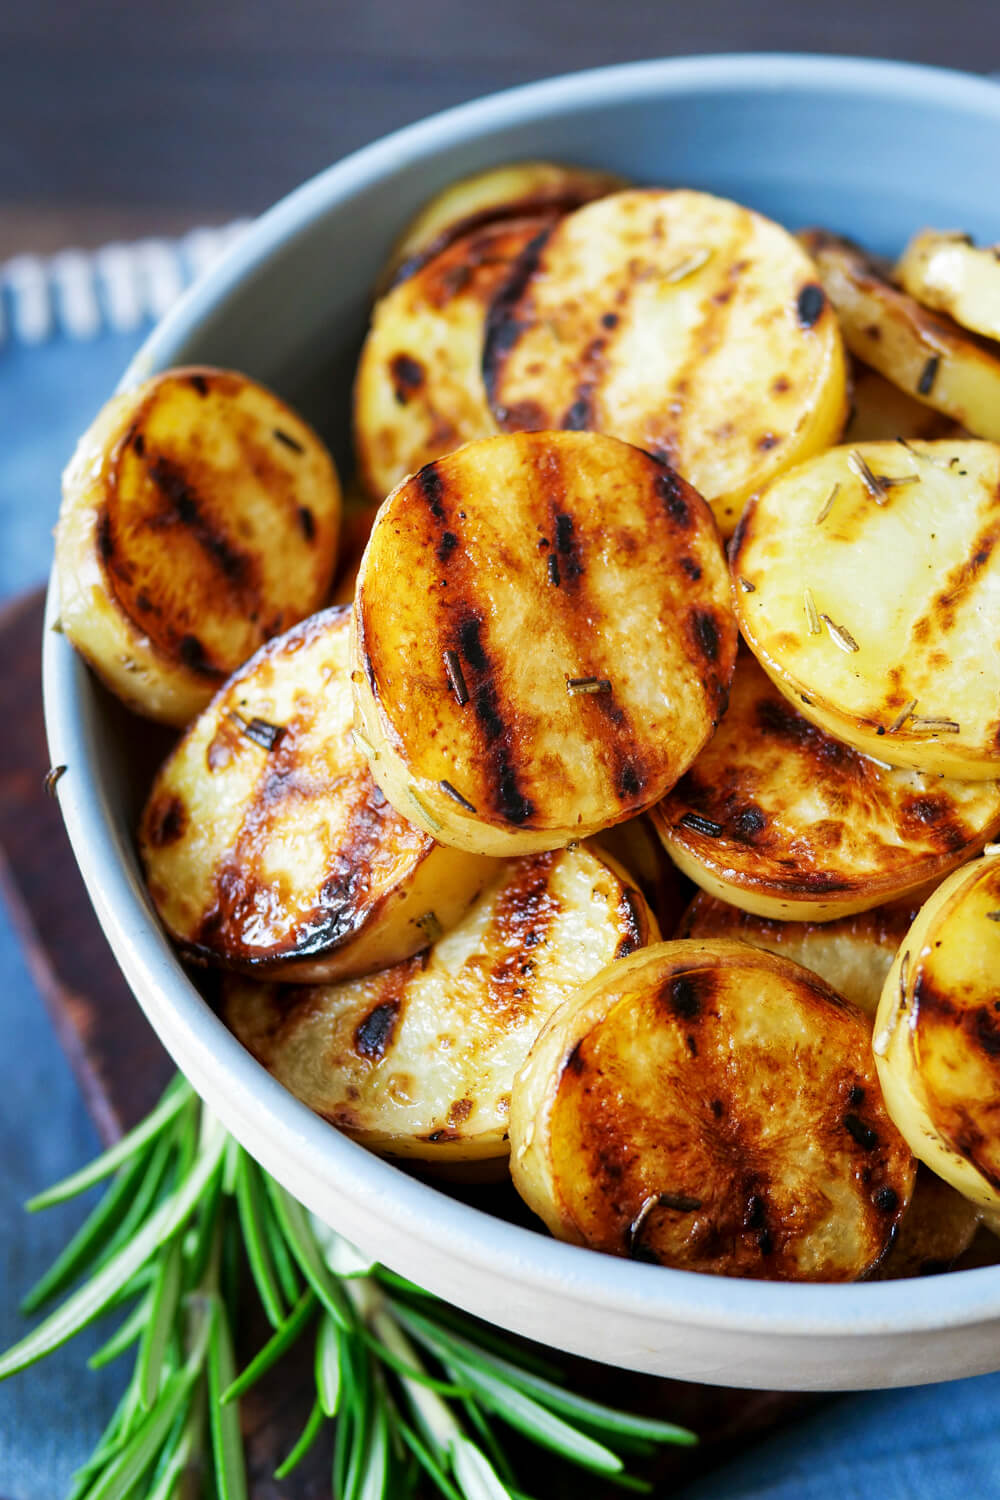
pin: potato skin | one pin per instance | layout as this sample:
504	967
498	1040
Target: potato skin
783	820
268	848
910	575
924	353
419	392
851	954
954	276
680	322
937	1042
581	546
199	518
418	1060
708	1106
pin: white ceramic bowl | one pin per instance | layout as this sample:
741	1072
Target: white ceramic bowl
872	149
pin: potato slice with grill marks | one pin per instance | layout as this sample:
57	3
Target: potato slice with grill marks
544	639
509	191
951	274
924	353
199	519
708	1106
681	322
852	954
880	411
868	582
266	844
419	389
782	819
937	1033
418	1060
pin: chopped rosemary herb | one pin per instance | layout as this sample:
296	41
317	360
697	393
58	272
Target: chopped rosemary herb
456	678
936	726
902	717
687	267
289	442
994	916
456	795
747	586
430	926
364	745
828	505
857	465
697	824
840	635
258	730
896	481
423	809
576	685
812	616
52	777
904	975
928	375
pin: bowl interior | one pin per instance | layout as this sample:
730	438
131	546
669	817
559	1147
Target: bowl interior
873	150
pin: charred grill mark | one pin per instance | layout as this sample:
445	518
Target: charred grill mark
574	1061
630	782
432	488
287	441
552	566
579	417
706	633
940	617
886	1200
979	1024
684	994
199	383
192	654
105	541
307	523
635	926
172	483
567	546
446	546
670	489
470	643
374	1034
863	1134
407	375
138	445
691	568
165	821
509	799
505	323
525	906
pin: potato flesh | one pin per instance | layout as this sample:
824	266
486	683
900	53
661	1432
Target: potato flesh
673	320
532	564
915	583
937	1039
199	519
708	1106
509	191
285	856
852	954
780	818
927	355
880	412
419	1060
954	276
419	389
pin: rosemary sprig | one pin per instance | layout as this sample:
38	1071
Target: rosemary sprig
414	1388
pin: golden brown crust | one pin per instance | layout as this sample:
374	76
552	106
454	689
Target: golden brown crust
497	677
778	816
711	1107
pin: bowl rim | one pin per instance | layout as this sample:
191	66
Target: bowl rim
476	1238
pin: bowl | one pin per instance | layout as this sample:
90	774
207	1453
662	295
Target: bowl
873	149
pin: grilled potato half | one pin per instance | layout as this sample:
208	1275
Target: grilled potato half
937	1033
948	272
852	954
419	389
543	639
419	1060
507	192
936	1229
880	411
708	1106
199	519
925	354
681	322
782	819
266	844
867	582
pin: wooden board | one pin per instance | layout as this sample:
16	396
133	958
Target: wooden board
122	1068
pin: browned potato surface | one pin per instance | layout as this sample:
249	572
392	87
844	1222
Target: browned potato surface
708	1106
199	519
852	954
544	639
924	353
880	411
419	1059
782	819
266	844
505	192
681	322
419	389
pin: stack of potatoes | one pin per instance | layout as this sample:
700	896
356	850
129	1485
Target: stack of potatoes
433	830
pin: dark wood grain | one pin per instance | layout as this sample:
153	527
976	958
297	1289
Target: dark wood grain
113	114
122	1068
